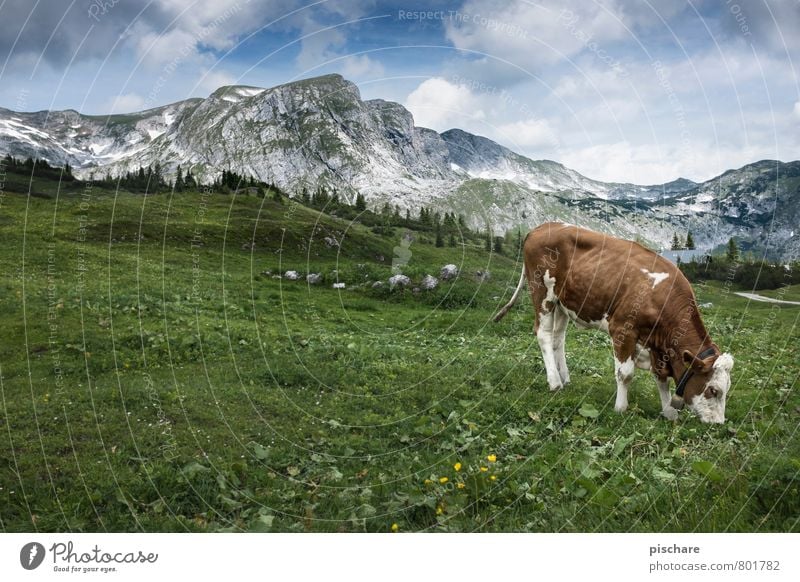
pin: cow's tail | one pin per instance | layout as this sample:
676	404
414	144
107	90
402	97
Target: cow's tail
502	313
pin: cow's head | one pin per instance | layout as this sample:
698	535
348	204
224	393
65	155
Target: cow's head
707	389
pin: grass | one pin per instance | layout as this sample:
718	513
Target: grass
155	376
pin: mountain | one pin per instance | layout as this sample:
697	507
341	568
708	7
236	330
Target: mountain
319	132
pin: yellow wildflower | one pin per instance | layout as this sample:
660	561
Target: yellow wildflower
493	477
439	510
460	485
443	480
491	458
484	469
395	528
457	466
427	481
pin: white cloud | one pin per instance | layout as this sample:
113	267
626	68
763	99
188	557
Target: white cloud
361	66
441	105
126	103
797	109
529	134
211	80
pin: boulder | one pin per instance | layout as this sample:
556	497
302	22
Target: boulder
448	272
291	275
313	278
338	285
399	281
483	275
377	284
429	282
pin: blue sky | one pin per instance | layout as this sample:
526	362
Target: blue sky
617	89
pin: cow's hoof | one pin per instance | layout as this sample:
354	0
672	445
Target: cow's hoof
670	414
556	387
620	409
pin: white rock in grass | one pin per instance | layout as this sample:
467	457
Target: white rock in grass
338	285
291	275
377	284
429	282
399	281
313	278
448	272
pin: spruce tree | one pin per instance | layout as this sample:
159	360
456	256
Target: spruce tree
689	241
733	250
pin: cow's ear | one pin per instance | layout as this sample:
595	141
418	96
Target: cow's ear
696	363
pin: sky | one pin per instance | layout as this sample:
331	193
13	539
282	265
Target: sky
620	90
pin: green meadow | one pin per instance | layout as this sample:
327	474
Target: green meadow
155	375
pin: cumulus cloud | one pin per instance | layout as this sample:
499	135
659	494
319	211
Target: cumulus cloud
520	38
440	104
126	103
530	134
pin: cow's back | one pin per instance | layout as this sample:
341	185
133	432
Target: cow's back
597	275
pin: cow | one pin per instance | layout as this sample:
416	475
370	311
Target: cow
636	296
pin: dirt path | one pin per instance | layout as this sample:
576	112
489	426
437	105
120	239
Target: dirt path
756	297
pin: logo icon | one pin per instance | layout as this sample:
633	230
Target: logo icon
31	555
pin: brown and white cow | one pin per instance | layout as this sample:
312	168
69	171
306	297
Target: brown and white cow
640	299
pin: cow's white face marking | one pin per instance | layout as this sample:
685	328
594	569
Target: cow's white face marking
656	277
710	404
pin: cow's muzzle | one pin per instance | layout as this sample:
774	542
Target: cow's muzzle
677	402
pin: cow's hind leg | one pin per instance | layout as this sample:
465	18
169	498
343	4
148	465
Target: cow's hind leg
560	321
544	333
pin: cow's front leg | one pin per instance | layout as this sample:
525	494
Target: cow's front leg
666	402
544	333
624	365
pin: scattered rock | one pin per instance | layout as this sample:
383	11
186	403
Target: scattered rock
291	275
266	272
706	305
399	281
429	282
338	285
377	284
331	242
483	275
314	278
277	277
448	272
